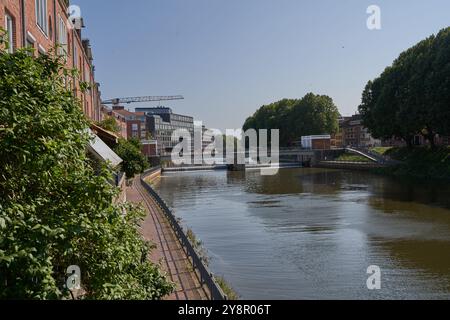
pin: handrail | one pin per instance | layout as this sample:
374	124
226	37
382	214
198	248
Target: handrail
206	277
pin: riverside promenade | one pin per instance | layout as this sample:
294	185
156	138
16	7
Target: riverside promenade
168	251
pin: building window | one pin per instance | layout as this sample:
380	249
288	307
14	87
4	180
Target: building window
62	39
9	27
41	15
75	56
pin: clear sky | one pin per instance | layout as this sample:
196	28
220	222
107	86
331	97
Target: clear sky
229	57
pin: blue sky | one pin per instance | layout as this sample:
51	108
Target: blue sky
229	57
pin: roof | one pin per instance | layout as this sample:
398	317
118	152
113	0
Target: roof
105	135
125	113
102	152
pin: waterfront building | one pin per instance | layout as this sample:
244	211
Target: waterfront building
162	122
354	134
317	142
132	124
150	148
44	25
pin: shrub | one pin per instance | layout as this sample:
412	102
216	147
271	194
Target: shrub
54	211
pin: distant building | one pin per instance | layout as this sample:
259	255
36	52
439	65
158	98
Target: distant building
418	140
149	148
162	122
132	124
337	139
354	133
318	142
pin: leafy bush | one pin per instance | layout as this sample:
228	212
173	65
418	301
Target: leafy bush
109	124
134	162
423	162
54	211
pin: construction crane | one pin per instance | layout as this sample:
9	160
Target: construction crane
118	101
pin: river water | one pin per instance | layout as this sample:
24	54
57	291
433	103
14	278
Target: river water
312	233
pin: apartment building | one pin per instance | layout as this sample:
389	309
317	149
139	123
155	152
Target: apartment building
354	133
132	124
44	25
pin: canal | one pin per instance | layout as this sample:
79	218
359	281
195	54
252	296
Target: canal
312	233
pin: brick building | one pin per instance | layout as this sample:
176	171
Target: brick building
44	25
132	124
354	133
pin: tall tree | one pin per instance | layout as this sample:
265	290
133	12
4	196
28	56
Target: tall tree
412	96
313	114
134	162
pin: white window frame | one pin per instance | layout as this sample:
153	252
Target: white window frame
9	27
62	37
41	15
30	40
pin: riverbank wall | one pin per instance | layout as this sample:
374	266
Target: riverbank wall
348	165
205	276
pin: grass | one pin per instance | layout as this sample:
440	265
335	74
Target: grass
226	288
381	150
421	162
352	158
198	246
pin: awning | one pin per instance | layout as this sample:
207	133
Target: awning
102	152
110	138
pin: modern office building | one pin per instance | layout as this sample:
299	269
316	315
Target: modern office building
162	122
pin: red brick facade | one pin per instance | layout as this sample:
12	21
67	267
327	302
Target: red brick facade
45	24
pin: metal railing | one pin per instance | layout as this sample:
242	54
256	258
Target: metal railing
206	277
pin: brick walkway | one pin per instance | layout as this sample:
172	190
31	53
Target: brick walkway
168	252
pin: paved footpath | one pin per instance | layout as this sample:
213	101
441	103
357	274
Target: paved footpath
168	251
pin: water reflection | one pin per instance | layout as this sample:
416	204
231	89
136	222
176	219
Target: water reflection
312	233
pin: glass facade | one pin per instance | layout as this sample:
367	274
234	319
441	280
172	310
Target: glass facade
162	122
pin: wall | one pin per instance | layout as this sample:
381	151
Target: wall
26	28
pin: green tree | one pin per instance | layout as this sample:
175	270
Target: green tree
54	211
134	162
313	114
412	96
109	124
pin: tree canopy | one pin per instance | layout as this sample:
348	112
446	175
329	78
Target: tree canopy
311	115
413	95
54	210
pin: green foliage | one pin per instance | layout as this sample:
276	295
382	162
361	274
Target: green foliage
352	158
413	95
109	124
381	150
54	211
226	288
422	163
134	162
313	114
